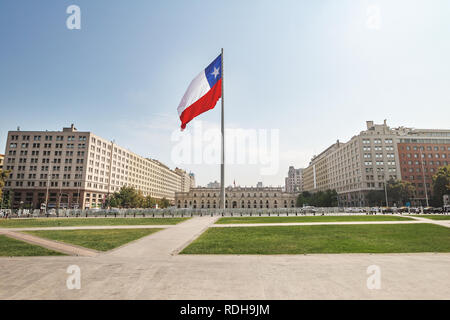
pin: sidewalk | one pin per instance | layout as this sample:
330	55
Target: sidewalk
169	241
166	242
443	223
149	268
51	244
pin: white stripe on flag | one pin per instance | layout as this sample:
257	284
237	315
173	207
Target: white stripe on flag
197	89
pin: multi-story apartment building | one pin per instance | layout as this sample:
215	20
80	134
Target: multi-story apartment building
185	180
421	153
294	180
376	155
356	167
315	176
236	197
70	168
192	179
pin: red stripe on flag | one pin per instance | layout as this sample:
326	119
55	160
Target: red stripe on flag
205	103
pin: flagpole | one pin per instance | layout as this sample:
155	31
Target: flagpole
222	165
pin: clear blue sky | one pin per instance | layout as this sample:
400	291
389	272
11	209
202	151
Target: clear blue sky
311	69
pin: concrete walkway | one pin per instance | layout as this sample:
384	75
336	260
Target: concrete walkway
69	249
166	242
339	276
443	223
149	268
171	240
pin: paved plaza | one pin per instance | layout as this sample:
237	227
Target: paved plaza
151	268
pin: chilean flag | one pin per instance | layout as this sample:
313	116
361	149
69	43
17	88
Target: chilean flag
202	94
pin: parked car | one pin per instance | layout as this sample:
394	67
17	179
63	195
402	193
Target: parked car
387	210
428	210
414	210
403	210
309	209
354	210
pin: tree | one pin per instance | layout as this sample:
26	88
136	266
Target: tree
328	198
164	203
376	198
139	200
149	202
6	201
441	185
127	197
4	175
113	201
302	198
399	192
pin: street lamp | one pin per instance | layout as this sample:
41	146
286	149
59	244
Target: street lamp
48	185
423	173
385	191
78	195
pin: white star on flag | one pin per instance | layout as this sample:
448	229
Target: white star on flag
216	72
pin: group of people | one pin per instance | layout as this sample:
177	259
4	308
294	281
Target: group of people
4	214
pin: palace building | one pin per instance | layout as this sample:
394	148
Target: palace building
236	197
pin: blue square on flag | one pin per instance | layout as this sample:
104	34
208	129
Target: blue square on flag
213	72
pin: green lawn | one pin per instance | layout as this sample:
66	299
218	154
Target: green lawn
73	222
276	219
435	216
396	238
101	240
14	248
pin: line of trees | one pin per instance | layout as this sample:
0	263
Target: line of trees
401	192
328	198
5	198
129	197
398	193
441	185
